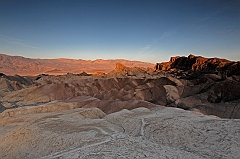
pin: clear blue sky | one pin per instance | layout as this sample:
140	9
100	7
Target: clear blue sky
150	30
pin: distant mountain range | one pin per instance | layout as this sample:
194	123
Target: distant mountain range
12	65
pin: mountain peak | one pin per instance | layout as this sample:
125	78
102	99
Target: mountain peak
120	67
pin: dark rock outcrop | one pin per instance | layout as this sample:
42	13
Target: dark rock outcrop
13	83
211	85
201	64
2	108
84	74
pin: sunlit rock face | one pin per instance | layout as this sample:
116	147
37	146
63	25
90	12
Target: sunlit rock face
202	64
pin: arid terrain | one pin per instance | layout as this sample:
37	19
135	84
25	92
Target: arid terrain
12	65
188	107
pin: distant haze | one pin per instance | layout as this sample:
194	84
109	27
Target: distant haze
142	30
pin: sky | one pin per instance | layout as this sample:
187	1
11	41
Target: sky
143	30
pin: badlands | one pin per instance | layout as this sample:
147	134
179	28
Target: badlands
188	107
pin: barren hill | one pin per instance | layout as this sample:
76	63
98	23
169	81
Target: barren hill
12	65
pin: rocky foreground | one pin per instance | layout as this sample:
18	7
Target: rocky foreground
185	108
160	132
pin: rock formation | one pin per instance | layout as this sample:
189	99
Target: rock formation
172	111
207	93
123	71
159	132
210	85
201	64
13	83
